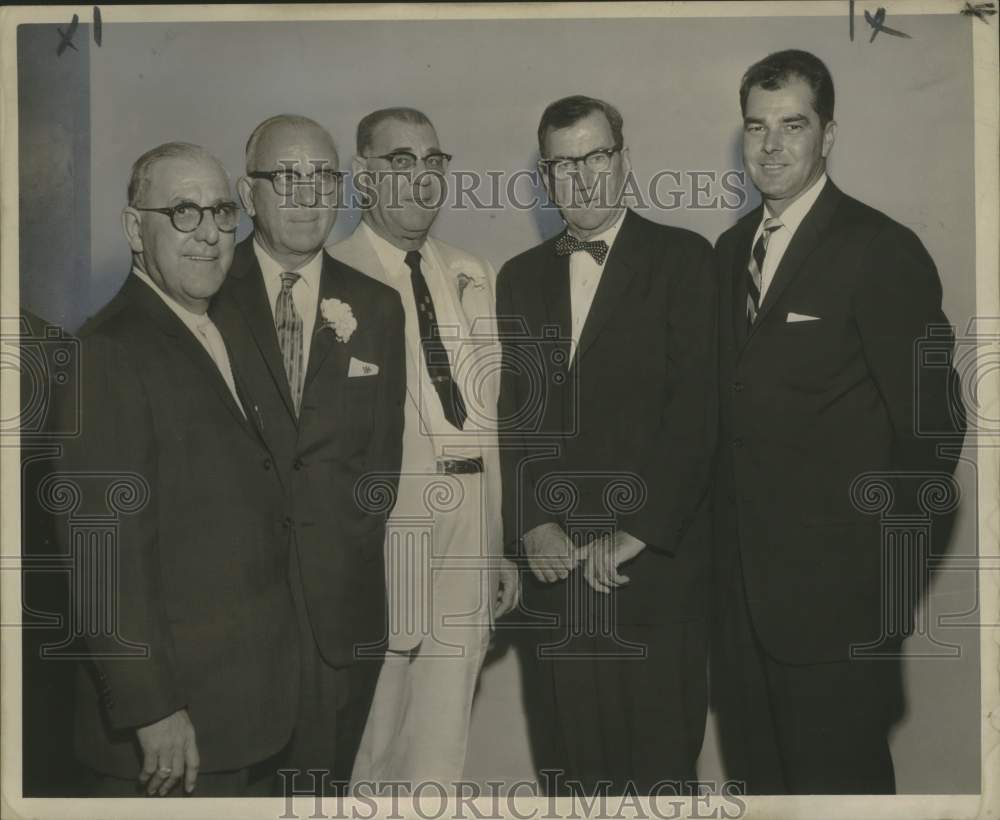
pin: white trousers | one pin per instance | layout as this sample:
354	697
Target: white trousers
418	726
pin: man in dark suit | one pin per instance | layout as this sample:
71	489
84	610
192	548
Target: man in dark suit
322	350
607	409
822	302
190	682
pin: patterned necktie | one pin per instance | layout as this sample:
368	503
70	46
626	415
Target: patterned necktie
288	323
435	356
567	244
756	267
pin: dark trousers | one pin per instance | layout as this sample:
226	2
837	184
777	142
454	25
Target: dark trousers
800	729
626	706
333	708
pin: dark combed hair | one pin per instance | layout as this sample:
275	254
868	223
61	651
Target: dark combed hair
367	126
569	110
776	70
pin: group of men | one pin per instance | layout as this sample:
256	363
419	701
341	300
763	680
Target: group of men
358	458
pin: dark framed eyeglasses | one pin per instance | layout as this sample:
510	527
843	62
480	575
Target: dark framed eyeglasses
325	181
598	160
187	216
435	161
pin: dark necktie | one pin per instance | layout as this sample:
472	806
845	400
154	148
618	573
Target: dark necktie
435	356
288	323
755	268
567	244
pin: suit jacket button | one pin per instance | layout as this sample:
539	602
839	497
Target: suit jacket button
266	464
297	464
737	442
737	387
286	522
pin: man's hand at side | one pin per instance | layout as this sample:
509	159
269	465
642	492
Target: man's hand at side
508	588
169	751
604	557
551	555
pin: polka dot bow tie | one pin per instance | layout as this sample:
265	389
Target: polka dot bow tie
567	244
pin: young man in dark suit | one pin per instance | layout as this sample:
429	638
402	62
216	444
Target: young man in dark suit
322	351
608	421
822	302
193	680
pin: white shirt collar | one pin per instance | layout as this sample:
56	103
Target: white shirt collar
793	215
390	257
310	271
192	321
608	235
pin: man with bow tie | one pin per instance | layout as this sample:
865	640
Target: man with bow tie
608	423
446	575
321	349
823	303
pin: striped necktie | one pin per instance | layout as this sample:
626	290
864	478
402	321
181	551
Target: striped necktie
756	268
288	323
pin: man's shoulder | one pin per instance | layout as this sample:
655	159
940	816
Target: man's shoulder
359	283
525	263
115	320
455	257
643	229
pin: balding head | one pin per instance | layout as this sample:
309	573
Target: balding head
282	131
142	168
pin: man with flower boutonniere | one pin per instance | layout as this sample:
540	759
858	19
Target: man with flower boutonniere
320	348
447	577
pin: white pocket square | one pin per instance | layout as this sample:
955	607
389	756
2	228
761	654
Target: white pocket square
801	317
360	368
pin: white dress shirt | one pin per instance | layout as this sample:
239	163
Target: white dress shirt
781	237
305	292
204	330
443	289
584	277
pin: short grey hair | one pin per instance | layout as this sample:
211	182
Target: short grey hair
294	120
367	126
142	168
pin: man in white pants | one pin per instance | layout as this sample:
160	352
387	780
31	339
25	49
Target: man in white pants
447	580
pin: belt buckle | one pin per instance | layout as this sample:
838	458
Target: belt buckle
459	466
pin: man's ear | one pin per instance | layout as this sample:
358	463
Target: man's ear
244	188
829	135
358	165
626	161
132	226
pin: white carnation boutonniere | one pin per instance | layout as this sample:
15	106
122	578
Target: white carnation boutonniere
464	279
339	317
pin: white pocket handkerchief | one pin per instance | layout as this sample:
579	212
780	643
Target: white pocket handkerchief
801	317
360	368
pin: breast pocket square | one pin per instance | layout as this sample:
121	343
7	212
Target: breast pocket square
801	317
360	368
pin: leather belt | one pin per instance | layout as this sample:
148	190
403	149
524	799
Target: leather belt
459	466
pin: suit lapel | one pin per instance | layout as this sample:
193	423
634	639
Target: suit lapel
251	297
358	252
615	278
808	237
554	282
152	304
324	340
